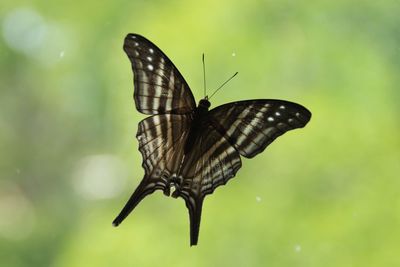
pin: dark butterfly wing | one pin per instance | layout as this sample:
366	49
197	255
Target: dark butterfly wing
159	87
251	125
244	127
161	138
212	163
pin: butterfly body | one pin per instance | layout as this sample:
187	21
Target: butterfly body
189	147
199	118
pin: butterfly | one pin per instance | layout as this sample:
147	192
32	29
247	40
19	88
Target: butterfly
192	149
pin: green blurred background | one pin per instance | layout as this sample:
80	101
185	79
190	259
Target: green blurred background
325	195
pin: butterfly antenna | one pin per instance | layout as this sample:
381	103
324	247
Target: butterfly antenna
204	77
222	85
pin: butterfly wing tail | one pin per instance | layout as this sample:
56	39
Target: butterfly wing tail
145	188
194	206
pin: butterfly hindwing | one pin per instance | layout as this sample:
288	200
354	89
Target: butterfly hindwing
159	86
146	187
251	125
212	163
161	138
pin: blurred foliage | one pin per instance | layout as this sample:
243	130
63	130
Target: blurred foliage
325	195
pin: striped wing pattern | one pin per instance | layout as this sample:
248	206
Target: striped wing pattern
240	128
251	125
160	137
159	86
212	163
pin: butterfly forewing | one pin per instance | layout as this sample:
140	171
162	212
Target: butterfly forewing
159	87
251	125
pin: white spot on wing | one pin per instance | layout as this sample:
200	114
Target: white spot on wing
297	114
136	44
270	119
151	50
136	53
133	36
277	113
149	59
282	107
150	67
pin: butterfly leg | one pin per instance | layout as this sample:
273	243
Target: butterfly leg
146	187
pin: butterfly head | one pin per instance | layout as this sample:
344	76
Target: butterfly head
204	103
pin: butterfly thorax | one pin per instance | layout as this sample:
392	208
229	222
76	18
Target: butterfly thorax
200	115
